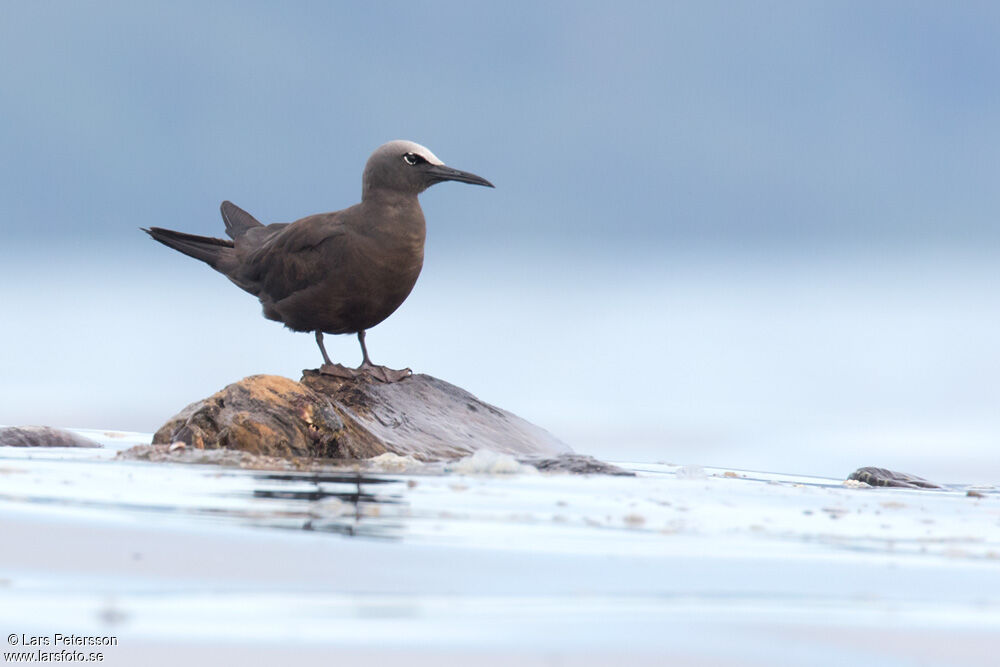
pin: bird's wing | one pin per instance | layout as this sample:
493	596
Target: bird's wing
291	257
238	221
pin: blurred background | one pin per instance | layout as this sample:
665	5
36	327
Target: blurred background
759	235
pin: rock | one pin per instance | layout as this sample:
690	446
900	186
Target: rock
42	436
331	417
882	477
429	419
264	415
222	457
577	464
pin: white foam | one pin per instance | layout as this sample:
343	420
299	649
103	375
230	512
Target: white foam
488	462
390	462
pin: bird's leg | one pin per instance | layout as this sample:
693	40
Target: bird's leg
367	368
330	368
322	348
380	373
364	350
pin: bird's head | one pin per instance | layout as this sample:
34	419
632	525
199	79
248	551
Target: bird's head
407	167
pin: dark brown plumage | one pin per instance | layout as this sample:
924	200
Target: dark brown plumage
341	272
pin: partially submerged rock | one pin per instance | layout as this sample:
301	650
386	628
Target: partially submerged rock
577	464
332	417
883	477
42	436
175	453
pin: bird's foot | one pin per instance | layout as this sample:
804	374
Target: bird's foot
338	370
384	373
377	373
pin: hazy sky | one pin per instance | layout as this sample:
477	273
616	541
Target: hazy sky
634	123
715	224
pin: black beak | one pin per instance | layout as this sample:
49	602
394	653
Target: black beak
439	173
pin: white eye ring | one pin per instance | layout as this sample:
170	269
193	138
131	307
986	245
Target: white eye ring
410	159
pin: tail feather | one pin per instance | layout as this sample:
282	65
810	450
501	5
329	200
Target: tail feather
237	220
217	253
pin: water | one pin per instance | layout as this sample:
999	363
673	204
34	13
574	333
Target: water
687	564
684	369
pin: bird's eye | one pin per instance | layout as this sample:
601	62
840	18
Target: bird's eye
412	159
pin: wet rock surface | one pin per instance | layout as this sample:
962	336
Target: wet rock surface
883	477
233	458
429	419
329	417
42	436
577	464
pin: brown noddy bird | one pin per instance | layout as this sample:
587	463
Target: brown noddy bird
337	273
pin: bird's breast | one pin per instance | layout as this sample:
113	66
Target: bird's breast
382	274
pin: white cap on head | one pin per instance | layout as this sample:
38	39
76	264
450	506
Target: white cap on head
402	146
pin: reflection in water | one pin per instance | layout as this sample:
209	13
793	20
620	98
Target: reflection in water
95	482
658	509
336	502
